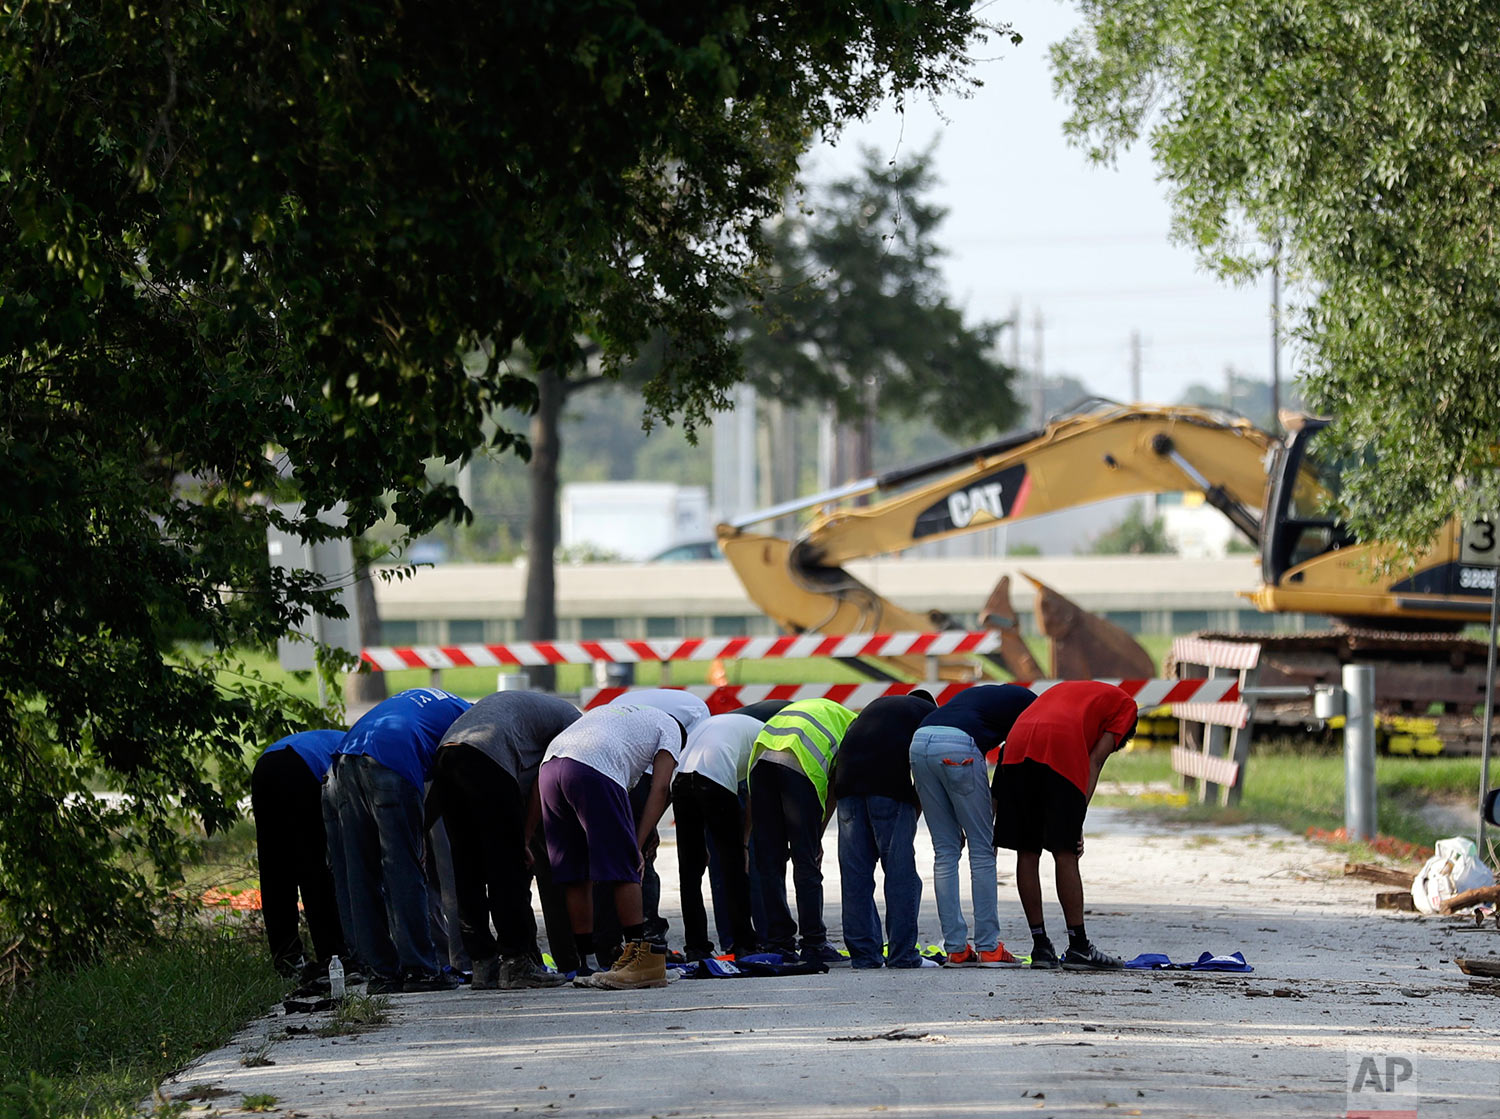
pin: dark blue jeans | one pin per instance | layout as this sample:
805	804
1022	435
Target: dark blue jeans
787	819
872	828
381	827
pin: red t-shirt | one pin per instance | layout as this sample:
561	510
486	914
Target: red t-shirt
1064	722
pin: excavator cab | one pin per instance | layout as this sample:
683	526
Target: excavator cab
1301	483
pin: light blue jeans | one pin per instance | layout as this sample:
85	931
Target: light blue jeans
953	786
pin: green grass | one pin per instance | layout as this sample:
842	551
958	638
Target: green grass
356	1014
96	1041
1301	791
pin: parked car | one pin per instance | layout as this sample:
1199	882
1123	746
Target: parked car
689	552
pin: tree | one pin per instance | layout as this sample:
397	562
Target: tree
1354	139
253	250
1247	396
851	312
855	314
1133	535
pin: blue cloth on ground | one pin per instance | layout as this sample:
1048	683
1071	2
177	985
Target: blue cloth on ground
757	964
1235	961
1155	961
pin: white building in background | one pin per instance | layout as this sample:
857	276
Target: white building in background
1195	529
633	520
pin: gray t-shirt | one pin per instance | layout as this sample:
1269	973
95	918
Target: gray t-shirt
513	730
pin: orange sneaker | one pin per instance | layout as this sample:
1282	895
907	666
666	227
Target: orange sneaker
998	957
967	958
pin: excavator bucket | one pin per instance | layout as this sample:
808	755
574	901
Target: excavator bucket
999	615
1085	646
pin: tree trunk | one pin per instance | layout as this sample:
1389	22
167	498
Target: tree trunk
540	621
365	689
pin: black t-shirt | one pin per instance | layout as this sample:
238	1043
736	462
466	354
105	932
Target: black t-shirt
985	712
875	756
764	709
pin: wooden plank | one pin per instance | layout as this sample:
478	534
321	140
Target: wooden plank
1218	771
1396	899
1213	714
1488	966
1215	654
1382	874
1485	895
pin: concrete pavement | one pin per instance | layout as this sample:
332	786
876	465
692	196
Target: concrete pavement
1348	1010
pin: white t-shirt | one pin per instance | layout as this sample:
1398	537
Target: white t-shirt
683	706
619	741
719	748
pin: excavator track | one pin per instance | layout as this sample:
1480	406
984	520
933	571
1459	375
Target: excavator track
1433	682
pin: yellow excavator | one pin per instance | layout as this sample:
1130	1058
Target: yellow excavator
1274	491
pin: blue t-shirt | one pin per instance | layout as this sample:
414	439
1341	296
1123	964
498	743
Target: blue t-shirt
985	712
315	747
404	732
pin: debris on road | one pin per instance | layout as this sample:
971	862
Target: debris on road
899	1033
1484	895
1386	876
1482	965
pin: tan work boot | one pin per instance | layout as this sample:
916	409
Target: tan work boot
640	965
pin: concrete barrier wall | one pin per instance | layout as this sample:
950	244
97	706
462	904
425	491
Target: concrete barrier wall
454	603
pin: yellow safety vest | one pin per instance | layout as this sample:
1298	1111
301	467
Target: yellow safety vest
811	730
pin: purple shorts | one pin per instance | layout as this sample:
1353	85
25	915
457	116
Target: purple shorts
588	824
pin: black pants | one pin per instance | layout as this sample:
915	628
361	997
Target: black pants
709	813
554	899
485	815
788	820
286	801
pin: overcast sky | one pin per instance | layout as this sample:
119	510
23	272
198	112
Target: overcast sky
1032	223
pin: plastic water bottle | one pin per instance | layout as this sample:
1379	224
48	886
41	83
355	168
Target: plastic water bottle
336	978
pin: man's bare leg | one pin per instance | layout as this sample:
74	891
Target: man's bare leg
1029	885
1069	889
581	907
629	904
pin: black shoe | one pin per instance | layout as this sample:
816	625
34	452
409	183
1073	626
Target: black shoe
1089	959
693	955
420	981
1044	956
824	953
487	974
385	985
518	973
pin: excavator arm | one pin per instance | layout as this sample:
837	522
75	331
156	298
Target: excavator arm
1113	450
1100	451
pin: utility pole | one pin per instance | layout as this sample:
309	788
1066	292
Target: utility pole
1038	393
1135	366
1014	357
1276	337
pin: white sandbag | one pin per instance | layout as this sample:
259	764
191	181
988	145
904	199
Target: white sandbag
1454	868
